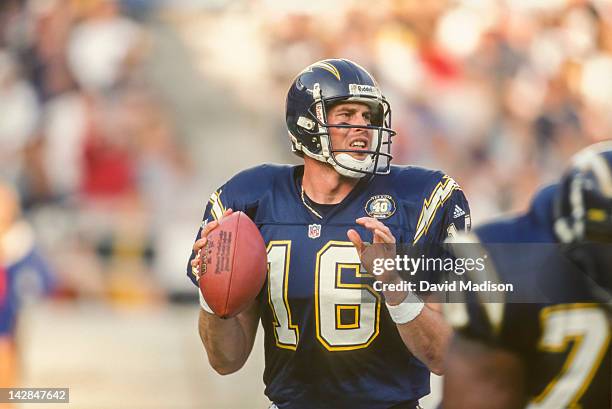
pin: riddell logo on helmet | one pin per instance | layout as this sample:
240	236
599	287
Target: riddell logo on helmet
364	89
319	112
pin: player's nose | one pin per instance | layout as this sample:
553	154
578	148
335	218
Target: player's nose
364	132
360	120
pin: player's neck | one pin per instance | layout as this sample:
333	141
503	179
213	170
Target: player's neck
323	185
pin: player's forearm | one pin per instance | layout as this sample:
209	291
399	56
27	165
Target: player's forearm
427	337
227	342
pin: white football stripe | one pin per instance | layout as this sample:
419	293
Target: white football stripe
217	207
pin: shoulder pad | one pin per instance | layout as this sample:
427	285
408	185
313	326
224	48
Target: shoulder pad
251	184
420	182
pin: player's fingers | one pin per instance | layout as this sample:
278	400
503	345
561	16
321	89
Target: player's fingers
355	238
371	223
199	244
383	228
381	236
208	228
196	260
363	220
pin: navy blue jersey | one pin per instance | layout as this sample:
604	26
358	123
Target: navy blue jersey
329	340
562	336
24	276
4	309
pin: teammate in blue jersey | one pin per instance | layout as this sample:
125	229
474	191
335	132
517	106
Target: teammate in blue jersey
24	276
550	347
331	341
7	367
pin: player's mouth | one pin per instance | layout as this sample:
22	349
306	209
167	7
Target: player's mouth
359	144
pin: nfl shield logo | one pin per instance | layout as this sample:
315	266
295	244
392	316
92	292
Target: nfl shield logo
314	231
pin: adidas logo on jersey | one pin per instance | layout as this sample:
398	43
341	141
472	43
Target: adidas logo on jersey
458	212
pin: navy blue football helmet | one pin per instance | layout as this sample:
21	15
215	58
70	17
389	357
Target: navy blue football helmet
584	203
583	215
313	92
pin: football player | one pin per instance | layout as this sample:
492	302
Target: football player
7	354
331	340
551	349
25	275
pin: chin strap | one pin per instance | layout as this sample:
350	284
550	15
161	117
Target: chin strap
344	159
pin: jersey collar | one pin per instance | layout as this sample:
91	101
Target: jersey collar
298	173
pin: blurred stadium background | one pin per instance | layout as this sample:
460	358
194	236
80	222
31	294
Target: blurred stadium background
118	118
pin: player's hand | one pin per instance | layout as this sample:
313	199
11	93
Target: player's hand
196	263
384	246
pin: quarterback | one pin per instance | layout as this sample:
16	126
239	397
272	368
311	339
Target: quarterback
551	349
331	340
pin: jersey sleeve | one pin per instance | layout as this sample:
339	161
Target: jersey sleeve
445	212
241	193
220	200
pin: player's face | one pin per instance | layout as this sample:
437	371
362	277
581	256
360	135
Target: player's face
359	139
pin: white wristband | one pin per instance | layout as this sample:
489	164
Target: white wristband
407	310
203	303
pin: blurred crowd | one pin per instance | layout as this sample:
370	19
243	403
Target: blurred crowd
85	141
497	94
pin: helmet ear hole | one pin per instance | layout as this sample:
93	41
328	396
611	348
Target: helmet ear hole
306	123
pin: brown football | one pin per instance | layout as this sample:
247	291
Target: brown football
234	265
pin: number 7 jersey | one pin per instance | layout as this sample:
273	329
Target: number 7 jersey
551	322
329	340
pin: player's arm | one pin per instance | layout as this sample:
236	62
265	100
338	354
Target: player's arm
426	334
428	337
480	376
228	342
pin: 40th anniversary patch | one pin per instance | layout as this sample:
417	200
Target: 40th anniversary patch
380	206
